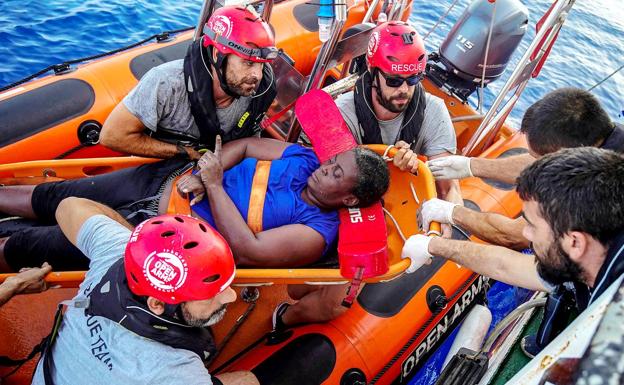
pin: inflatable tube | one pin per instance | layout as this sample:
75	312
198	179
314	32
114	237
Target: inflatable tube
71	104
387	334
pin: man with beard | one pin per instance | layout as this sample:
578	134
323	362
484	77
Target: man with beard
573	204
223	86
142	312
389	104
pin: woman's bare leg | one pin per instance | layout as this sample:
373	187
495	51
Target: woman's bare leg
16	200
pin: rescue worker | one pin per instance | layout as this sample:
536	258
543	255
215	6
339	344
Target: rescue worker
142	312
573	209
564	118
390	106
223	86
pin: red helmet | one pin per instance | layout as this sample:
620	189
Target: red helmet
241	31
396	48
177	258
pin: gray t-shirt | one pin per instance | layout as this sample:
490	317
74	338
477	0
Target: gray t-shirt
436	136
160	102
95	350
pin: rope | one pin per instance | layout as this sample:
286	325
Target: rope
607	78
440	20
385	154
71	151
59	67
396	224
9	218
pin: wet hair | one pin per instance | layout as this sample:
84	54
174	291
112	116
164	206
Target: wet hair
373	177
580	189
565	118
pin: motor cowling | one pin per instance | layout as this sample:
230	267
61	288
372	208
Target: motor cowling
463	50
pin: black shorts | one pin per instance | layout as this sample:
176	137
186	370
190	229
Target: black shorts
134	192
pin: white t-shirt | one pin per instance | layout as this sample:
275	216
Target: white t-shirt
436	136
95	350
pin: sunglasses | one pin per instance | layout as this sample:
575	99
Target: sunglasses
397	81
255	54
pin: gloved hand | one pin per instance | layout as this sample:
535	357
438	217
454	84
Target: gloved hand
416	248
450	167
435	210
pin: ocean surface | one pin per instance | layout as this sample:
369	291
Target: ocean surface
35	34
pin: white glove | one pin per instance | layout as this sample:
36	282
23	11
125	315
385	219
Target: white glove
435	210
416	248
450	167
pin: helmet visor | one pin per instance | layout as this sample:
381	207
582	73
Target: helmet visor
264	54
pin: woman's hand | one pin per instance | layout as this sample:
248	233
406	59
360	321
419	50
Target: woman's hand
191	184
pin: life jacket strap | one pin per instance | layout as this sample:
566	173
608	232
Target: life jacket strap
257	195
178	204
353	289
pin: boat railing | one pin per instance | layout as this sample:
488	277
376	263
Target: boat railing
528	67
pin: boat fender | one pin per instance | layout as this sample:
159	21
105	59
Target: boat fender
472	332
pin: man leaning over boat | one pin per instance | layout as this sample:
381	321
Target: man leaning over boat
567	117
223	86
142	312
564	118
573	207
389	105
293	225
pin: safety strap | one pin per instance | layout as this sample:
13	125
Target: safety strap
352	291
269	121
178	204
256	196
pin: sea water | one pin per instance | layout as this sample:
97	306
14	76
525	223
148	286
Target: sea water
35	34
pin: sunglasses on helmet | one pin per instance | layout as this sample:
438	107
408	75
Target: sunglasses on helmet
397	81
265	53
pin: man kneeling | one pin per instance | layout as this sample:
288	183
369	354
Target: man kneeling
140	316
299	221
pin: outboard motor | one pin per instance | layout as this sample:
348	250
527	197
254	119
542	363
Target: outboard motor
459	63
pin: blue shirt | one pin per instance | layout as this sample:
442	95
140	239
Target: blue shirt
95	350
283	204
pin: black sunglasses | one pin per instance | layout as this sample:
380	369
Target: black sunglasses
397	81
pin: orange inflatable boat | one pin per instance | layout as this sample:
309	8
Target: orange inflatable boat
73	105
396	321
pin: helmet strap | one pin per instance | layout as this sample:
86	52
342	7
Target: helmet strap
375	83
220	66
